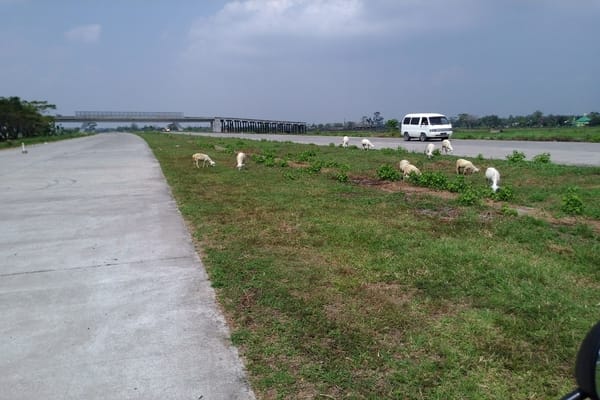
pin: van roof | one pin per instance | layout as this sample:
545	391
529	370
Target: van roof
424	115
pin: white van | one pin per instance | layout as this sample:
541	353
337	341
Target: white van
425	126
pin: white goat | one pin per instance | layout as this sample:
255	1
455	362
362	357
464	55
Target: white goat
240	158
493	176
204	158
345	141
465	167
410	169
429	150
447	146
407	168
366	144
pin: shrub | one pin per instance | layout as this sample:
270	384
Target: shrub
388	173
509	211
342	177
266	159
307	155
458	185
469	197
543	158
516	156
434	180
315	167
505	193
571	202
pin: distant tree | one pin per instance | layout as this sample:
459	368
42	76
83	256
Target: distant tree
490	121
536	119
366	122
20	118
392	124
466	121
377	119
594	119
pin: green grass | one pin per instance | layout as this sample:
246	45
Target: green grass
568	134
565	134
38	139
344	290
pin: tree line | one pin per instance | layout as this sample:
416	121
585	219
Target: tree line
21	119
534	120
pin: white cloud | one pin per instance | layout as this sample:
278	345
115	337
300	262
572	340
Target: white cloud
256	27
85	33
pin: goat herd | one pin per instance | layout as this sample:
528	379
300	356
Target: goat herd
463	166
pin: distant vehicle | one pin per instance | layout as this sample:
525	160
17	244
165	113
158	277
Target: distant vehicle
425	126
166	130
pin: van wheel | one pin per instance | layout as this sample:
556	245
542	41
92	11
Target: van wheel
406	137
422	138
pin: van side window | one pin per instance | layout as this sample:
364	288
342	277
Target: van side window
424	121
406	121
414	121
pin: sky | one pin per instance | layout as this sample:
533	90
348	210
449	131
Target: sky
314	61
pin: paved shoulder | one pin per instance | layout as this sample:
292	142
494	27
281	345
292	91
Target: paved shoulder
102	295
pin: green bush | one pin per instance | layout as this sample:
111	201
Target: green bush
434	180
571	202
516	156
307	155
543	158
504	193
342	177
509	211
469	197
388	173
458	185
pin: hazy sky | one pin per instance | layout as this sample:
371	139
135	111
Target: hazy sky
304	60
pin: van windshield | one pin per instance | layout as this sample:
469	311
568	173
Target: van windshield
439	120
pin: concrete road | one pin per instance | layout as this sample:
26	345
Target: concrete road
570	153
102	295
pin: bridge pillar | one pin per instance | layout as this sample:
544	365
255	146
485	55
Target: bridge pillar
216	125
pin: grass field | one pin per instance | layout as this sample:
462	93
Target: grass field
568	134
38	139
339	285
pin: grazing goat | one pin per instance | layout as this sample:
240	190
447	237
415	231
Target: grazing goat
204	158
429	150
410	169
407	168
345	141
493	176
447	146
366	144
240	158
465	167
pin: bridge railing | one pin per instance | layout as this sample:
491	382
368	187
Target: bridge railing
127	114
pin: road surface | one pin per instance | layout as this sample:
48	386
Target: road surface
102	295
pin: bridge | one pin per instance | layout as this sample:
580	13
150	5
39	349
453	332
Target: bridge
217	124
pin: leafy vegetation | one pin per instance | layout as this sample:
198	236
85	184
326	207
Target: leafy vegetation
23	119
344	290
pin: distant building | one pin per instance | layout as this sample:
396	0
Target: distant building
582	121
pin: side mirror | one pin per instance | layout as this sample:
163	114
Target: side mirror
587	368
